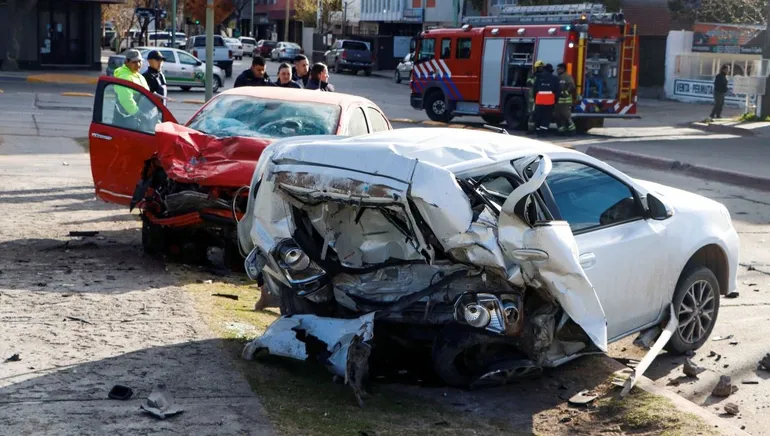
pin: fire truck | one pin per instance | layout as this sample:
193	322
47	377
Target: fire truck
482	68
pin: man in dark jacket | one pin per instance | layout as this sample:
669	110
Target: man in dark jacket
546	88
319	78
301	71
254	76
720	89
154	76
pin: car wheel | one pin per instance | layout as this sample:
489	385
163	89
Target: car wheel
217	84
515	114
436	107
493	119
397	77
696	304
367	72
186	88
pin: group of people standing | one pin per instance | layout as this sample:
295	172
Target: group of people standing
301	76
550	96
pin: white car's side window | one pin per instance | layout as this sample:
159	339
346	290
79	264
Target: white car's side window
590	198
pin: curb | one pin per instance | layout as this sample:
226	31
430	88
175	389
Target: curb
659	163
77	94
12	78
67	79
719	128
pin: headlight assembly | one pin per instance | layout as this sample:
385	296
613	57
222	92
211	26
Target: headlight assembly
296	265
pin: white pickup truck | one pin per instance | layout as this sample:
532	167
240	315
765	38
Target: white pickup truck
223	55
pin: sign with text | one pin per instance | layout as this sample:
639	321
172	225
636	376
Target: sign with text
703	90
725	38
413	15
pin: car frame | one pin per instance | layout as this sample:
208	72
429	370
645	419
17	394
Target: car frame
248	46
567	253
264	48
285	51
404	68
236	46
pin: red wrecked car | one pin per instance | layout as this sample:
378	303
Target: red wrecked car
190	180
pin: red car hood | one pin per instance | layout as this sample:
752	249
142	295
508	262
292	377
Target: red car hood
189	156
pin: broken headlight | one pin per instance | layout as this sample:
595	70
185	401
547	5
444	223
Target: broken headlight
295	264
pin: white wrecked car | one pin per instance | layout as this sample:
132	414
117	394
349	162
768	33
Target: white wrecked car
499	254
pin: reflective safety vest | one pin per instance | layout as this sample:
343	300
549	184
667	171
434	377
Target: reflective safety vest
545	98
567	88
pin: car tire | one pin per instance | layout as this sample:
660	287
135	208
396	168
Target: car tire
367	72
698	286
436	107
217	84
493	119
186	88
515	114
397	77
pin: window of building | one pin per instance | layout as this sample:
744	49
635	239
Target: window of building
357	124
446	49
588	197
503	2
427	49
463	48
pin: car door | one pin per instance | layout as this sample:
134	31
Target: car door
377	121
118	151
190	69
171	67
619	248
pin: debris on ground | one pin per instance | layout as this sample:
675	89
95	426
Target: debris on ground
582	398
712	353
85	233
120	392
733	342
690	369
734	294
722	338
205	282
731	409
14	358
751	382
765	362
160	403
230	296
674	382
719	356
751	268
74	318
724	388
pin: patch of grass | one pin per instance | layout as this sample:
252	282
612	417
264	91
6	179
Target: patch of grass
83	142
644	413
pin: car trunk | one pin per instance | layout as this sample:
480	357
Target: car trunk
356	52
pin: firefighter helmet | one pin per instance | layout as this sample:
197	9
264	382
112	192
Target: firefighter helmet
539	64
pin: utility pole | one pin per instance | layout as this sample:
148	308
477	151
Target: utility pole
764	100
173	23
252	32
286	24
345	20
156	22
209	49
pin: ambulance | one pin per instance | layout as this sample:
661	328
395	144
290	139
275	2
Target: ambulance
481	69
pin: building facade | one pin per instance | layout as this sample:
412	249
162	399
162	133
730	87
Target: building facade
270	20
56	34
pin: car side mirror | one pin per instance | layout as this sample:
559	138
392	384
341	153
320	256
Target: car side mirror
657	209
199	63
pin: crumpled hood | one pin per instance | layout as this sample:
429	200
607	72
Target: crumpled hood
189	156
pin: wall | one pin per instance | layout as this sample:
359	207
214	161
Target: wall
307	41
443	12
384	10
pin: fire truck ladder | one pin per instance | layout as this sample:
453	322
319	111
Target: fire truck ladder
628	69
549	14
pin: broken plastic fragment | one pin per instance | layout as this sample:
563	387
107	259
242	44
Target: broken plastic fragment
160	403
673	323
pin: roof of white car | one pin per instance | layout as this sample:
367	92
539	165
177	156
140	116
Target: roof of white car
453	149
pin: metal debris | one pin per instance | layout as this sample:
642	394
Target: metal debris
724	388
751	382
733	342
690	369
582	398
722	338
86	233
230	296
731	409
160	403
14	358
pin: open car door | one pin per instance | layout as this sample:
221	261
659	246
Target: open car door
122	136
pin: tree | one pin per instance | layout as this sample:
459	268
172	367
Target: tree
307	11
719	11
17	10
122	17
196	9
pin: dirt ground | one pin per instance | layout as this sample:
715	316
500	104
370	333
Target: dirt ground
86	313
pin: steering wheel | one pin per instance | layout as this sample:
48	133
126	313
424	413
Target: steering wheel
291	123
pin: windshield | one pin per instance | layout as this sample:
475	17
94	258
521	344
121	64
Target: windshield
290	45
239	115
248	41
354	45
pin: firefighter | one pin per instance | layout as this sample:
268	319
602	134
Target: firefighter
564	104
537	68
546	88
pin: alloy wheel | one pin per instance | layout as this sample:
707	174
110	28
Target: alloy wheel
696	311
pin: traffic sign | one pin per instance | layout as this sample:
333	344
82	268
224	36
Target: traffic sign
150	12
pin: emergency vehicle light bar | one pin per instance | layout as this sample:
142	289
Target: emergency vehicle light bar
550	14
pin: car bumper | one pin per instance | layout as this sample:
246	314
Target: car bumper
416	101
225	65
355	65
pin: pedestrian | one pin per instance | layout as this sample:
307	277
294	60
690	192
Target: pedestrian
254	76
127	113
301	71
319	78
546	87
564	104
720	89
154	76
284	77
537	68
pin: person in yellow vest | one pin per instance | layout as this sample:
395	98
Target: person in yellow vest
564	104
537	68
127	112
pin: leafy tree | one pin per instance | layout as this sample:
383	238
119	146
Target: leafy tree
196	9
307	11
720	11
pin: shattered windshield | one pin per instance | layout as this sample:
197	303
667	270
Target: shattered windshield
240	115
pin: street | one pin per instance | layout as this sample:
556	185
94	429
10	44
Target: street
87	313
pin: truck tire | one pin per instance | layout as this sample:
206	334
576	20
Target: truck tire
515	113
493	119
436	107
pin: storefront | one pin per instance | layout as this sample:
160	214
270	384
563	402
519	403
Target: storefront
57	34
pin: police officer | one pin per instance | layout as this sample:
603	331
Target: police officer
546	87
537	68
154	76
563	111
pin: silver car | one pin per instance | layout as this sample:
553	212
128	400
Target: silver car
285	51
180	68
404	69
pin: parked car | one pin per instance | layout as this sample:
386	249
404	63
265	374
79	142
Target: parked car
264	48
189	191
223	55
349	55
286	51
236	46
107	38
404	68
490	255
180	68
248	45
130	39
